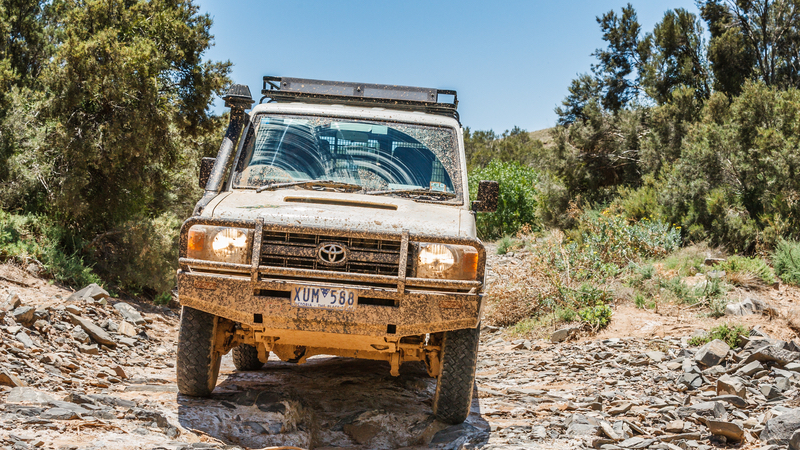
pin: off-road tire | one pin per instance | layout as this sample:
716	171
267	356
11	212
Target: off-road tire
197	363
245	357
453	398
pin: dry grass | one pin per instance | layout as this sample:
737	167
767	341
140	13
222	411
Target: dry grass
526	290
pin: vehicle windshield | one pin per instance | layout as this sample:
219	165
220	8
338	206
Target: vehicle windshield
380	157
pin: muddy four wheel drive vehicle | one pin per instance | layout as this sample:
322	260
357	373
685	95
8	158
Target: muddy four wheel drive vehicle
336	220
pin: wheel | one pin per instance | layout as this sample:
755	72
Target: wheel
245	357
198	363
451	403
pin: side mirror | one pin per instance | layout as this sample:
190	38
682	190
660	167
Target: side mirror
488	192
206	164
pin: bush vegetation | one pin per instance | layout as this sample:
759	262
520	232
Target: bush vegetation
670	138
725	332
516	206
30	239
786	259
103	119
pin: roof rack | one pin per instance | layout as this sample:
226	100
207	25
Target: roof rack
284	89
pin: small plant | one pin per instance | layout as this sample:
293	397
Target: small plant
506	244
565	315
680	290
639	301
163	298
716	306
713	288
597	316
741	269
786	260
727	333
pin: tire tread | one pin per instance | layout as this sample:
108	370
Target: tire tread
197	368
245	357
453	398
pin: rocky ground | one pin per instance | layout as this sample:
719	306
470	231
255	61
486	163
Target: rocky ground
83	370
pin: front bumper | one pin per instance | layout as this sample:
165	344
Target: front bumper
257	296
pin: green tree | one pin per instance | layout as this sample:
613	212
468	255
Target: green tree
128	85
676	57
617	64
109	137
732	59
583	91
736	182
24	49
482	147
761	37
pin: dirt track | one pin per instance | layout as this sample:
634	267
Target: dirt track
528	394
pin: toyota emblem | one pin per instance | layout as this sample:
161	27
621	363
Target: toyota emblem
332	253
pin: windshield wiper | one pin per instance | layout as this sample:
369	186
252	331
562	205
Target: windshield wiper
312	184
413	192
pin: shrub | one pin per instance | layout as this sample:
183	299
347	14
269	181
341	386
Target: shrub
638	204
506	244
607	243
553	203
516	204
143	257
29	238
786	260
597	316
680	290
727	333
744	268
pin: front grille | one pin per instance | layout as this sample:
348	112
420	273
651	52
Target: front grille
299	251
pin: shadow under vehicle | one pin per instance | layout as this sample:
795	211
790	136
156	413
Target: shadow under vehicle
336	221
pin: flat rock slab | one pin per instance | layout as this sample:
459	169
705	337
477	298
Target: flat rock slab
779	430
92	291
750	368
152	388
9	379
728	429
734	400
728	385
24	315
773	353
129	313
98	334
706	409
29	395
562	334
59	414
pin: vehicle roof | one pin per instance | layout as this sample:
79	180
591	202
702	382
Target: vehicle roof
356	112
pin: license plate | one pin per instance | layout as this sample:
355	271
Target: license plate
324	298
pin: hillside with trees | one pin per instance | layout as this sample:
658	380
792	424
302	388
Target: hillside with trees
104	116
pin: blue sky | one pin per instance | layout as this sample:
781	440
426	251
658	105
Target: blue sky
510	61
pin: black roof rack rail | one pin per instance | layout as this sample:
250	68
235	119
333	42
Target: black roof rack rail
285	89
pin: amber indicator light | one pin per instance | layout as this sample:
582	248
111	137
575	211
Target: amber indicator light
470	265
197	240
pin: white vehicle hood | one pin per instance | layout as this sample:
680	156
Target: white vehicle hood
340	210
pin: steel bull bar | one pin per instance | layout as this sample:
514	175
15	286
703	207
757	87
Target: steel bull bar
257	295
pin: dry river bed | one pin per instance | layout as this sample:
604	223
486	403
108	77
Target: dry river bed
86	371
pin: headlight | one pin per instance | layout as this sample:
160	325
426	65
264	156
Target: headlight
453	262
224	244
